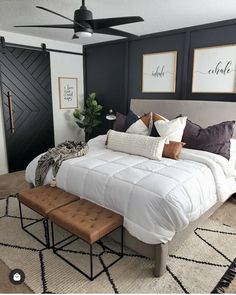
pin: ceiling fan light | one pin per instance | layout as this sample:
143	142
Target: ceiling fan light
82	34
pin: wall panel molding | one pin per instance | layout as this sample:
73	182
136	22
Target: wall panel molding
184	40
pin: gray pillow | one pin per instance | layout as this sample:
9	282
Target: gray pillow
214	139
119	124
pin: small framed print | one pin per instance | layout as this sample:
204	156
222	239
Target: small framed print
159	72
68	92
214	69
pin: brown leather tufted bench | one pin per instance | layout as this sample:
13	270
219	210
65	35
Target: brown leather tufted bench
43	200
89	222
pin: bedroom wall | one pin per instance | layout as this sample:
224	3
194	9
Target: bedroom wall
65	65
183	40
62	64
105	73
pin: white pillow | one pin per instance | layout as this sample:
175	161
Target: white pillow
141	126
135	144
138	128
172	130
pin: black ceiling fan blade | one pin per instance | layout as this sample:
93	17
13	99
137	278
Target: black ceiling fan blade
70	26
110	31
58	14
111	22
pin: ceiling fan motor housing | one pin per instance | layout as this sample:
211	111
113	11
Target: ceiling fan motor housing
83	15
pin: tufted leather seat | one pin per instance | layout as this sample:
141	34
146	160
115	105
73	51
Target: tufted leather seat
44	199
87	220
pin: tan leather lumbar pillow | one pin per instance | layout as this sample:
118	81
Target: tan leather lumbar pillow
172	150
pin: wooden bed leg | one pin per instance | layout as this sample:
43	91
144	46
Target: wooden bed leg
161	256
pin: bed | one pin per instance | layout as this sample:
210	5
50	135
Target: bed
161	201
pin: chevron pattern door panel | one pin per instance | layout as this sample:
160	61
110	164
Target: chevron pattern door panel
27	105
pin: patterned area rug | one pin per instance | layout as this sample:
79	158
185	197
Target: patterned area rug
205	263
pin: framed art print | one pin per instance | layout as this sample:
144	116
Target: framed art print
68	92
214	69
159	72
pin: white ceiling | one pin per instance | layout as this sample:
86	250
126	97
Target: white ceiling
159	15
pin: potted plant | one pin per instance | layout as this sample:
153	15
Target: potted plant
88	118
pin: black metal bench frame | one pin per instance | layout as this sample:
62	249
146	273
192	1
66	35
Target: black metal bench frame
90	276
44	220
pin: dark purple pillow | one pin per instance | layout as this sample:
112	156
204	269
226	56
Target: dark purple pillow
119	124
214	139
131	118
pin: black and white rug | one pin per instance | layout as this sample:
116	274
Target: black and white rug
205	263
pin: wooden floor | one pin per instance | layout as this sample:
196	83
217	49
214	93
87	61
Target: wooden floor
6	286
15	182
12	183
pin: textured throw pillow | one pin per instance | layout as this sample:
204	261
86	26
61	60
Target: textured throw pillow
156	117
136	144
119	124
172	150
172	130
214	139
141	126
131	118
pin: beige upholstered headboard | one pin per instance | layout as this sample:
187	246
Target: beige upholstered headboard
204	113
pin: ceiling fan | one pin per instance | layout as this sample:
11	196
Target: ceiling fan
84	25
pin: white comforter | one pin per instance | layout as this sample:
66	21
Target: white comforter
156	198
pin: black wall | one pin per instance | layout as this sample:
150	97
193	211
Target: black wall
105	73
114	69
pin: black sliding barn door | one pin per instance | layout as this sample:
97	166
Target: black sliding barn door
27	105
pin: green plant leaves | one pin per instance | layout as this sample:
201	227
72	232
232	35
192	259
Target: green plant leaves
96	123
81	125
89	117
77	114
92	95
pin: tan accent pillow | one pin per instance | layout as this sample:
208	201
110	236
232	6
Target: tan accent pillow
157	117
172	150
146	119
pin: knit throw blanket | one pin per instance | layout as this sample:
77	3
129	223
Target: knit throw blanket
55	156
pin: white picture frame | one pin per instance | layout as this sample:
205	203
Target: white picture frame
214	69
159	72
68	92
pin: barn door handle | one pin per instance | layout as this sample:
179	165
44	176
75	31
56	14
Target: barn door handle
11	114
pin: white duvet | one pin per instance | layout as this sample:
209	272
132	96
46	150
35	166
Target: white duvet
156	198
